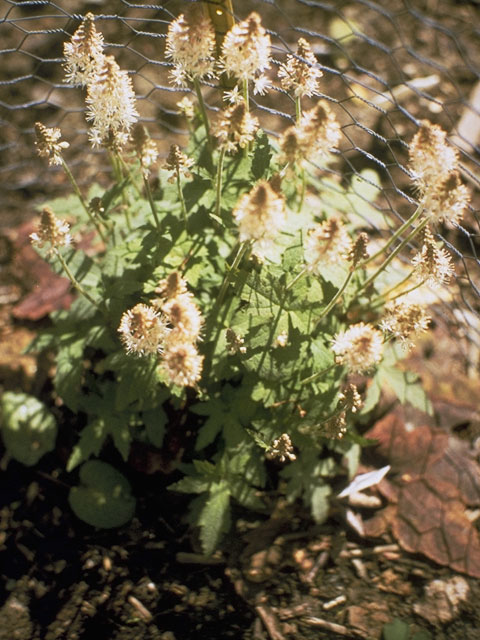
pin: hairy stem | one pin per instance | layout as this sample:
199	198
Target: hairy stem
74	281
180	196
117	170
298	109
416	214
387	261
203	111
335	298
151	202
219	183
84	204
317	375
298	277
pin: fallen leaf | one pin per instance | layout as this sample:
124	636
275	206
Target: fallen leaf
44	291
369	618
434	479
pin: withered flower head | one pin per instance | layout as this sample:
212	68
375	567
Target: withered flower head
171	286
335	427
431	158
246	49
83	53
320	129
51	231
182	363
291	147
360	347
359	252
48	143
143	330
300	74
328	243
236	128
145	148
350	399
281	449
260	216
404	321
317	134
111	105
178	163
191	47
447	199
235	343
184	317
433	264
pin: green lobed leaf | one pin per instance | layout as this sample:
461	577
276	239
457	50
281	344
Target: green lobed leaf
261	157
214	520
406	386
103	498
70	370
155	421
28	429
91	441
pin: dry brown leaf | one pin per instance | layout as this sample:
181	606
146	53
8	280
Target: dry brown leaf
46	291
434	482
369	618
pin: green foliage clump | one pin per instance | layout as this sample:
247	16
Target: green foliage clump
233	298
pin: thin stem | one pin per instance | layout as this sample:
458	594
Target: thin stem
78	193
416	214
335	298
230	271
115	160
300	275
219	182
317	375
132	180
384	297
151	202
303	190
380	300
298	109
214	319
246	96
180	196
387	261
74	281
203	110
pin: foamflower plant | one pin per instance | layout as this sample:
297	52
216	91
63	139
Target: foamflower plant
216	306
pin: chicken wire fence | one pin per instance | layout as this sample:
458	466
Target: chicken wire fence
386	66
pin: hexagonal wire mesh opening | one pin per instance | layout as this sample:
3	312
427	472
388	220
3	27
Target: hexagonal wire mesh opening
386	66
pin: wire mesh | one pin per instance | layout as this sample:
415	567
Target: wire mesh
386	65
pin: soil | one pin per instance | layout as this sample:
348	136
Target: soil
278	576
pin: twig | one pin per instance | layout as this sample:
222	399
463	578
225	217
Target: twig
142	609
270	621
330	626
197	558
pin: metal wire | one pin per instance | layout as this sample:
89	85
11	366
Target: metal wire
386	66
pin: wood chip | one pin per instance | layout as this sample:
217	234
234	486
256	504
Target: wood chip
142	610
270	621
329	626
